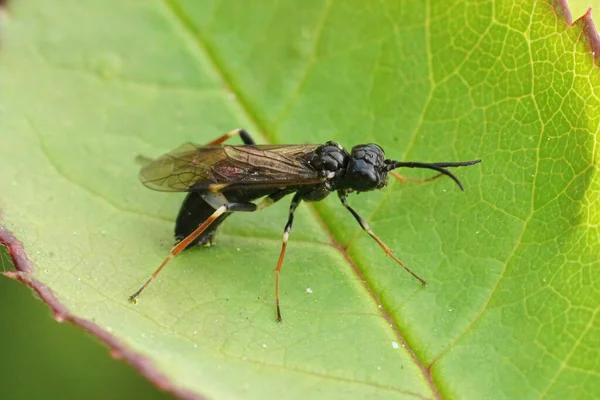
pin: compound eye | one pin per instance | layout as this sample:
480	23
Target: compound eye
364	177
372	178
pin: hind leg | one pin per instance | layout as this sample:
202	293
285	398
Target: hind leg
182	245
245	136
193	212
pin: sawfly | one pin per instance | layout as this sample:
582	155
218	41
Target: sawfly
223	179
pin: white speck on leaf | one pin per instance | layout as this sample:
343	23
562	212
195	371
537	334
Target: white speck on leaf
395	345
308	290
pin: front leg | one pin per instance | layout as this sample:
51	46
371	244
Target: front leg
403	179
366	228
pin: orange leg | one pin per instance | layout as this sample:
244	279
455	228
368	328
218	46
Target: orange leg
179	247
286	234
246	138
366	228
403	179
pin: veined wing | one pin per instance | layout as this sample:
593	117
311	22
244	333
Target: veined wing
217	168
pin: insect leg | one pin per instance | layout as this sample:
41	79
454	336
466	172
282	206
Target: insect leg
286	233
193	212
271	199
245	136
366	228
179	247
403	179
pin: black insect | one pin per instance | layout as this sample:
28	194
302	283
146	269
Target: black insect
221	180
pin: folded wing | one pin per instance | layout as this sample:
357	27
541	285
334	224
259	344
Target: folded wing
195	168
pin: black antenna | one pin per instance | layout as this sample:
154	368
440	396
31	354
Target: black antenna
439	167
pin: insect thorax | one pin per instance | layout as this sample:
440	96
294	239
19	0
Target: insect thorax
331	160
361	170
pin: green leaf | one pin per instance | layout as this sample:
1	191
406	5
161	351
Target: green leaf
511	310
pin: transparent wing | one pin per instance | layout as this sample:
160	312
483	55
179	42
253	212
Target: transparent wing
191	167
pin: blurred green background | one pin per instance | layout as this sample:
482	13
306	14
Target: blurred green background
42	359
